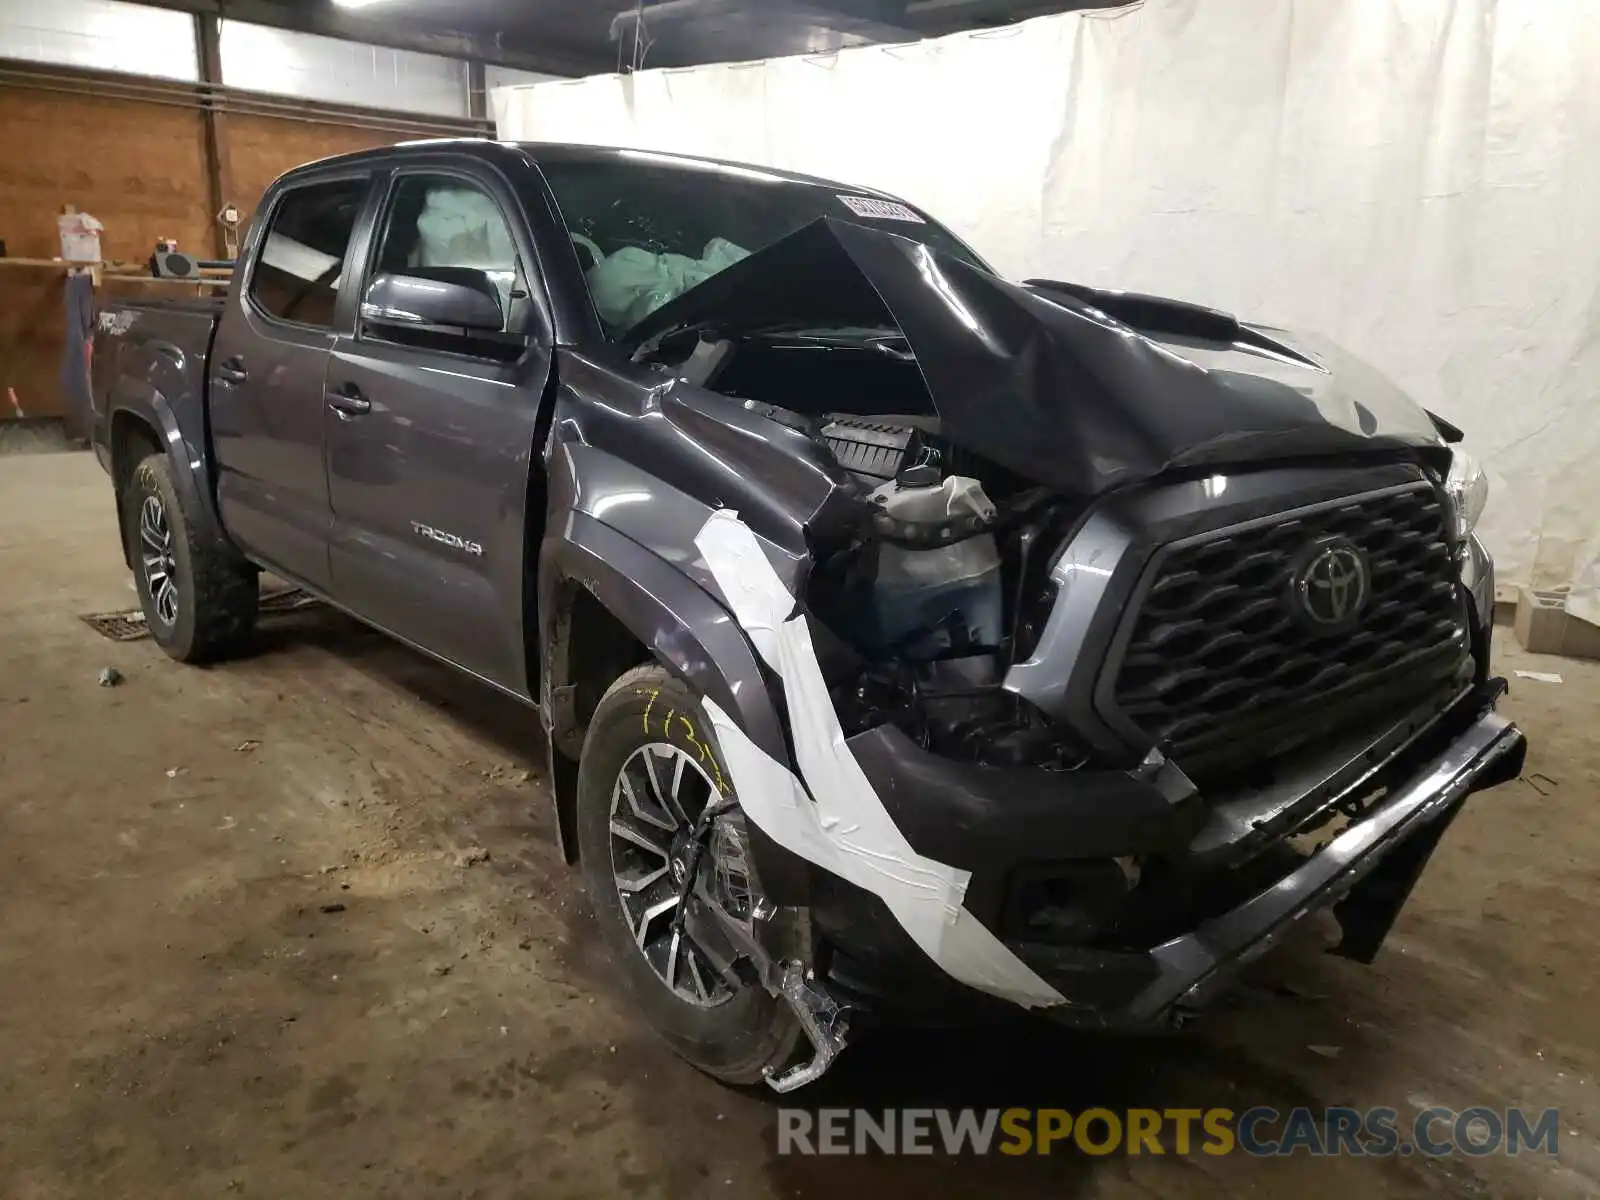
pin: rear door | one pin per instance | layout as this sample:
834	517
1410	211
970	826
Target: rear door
267	367
430	432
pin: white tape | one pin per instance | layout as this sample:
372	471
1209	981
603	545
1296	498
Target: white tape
835	819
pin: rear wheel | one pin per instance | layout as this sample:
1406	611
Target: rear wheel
650	767
199	597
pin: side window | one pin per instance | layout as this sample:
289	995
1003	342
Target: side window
296	277
439	226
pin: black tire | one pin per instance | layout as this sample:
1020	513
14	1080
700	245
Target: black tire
740	1037
200	599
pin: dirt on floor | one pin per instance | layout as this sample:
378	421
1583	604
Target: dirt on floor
34	436
297	926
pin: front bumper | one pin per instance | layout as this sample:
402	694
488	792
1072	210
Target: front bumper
1192	967
1365	874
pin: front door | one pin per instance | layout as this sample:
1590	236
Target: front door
430	432
267	365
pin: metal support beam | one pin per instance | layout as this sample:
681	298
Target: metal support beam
932	17
380	30
683	32
477	90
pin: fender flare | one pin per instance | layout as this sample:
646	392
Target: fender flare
686	629
189	461
683	626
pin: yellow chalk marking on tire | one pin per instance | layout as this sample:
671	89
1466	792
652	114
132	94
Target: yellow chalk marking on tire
705	755
704	751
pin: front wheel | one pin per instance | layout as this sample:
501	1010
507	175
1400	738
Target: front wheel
650	767
199	597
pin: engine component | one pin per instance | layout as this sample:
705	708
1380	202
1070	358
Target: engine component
956	706
929	601
874	452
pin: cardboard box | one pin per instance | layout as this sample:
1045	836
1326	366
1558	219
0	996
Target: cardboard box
1544	626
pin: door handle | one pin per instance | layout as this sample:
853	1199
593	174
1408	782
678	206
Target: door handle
231	370
347	401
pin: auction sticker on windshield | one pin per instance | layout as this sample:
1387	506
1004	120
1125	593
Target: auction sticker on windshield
880	210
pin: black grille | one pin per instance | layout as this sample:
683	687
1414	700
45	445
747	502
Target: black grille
1218	653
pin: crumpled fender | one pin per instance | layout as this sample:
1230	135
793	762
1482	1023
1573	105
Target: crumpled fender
686	629
632	473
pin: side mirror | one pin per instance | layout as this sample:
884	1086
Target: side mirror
437	298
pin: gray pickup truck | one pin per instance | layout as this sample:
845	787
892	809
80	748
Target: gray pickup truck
910	643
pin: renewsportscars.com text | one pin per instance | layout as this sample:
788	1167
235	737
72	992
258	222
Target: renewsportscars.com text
1260	1131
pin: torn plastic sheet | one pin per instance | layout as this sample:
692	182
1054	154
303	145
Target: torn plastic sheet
835	819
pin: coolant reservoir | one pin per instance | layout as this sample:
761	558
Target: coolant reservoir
925	598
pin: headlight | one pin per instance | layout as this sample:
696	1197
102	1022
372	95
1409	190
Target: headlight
1468	488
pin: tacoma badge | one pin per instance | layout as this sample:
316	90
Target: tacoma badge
448	539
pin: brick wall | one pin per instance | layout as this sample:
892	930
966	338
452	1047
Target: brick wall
262	148
138	167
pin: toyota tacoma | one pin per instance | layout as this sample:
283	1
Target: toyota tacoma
909	641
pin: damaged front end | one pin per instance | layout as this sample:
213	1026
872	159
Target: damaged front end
1126	636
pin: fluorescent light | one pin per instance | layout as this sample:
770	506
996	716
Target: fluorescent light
354	3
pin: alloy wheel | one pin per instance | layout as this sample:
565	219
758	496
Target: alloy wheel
160	570
656	802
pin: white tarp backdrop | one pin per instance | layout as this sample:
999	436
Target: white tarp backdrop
1417	179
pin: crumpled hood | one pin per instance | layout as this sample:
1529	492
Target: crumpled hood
1069	387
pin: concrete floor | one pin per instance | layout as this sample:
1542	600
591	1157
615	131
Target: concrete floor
182	1015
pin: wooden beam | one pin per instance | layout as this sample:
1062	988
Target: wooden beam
237	101
219	159
121	269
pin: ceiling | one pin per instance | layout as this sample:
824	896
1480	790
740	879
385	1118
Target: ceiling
585	36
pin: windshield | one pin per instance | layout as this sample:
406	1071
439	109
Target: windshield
648	227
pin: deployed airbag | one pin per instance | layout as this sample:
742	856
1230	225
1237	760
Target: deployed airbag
462	227
632	283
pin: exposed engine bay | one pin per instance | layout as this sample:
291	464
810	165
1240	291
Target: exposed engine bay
974	421
942	582
943	590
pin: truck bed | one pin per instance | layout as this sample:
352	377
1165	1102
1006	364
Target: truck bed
150	358
159	343
211	304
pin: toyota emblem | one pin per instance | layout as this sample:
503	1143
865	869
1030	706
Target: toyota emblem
1333	584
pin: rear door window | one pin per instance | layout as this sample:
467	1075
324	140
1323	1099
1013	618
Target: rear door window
297	273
